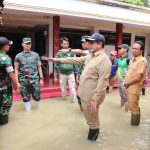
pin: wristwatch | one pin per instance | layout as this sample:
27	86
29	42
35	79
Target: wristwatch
126	85
69	49
41	78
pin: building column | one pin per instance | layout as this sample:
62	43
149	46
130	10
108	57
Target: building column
50	52
95	30
119	33
56	34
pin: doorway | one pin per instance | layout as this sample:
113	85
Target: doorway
74	36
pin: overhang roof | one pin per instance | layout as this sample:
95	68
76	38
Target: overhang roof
77	9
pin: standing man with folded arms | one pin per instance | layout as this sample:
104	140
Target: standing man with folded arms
134	80
29	73
6	77
93	81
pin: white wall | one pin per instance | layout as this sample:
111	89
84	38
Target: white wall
109	48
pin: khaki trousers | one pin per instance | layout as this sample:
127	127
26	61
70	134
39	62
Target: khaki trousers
72	86
92	118
133	100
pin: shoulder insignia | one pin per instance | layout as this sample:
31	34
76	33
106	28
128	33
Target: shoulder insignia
3	58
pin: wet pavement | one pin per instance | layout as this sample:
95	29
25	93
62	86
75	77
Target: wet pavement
60	125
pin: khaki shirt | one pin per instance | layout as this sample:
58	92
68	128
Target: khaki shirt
95	76
137	65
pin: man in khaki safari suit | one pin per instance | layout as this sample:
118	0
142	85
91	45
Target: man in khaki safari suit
134	80
93	81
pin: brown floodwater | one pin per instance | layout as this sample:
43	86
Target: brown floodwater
60	125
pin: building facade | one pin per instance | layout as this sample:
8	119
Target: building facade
48	20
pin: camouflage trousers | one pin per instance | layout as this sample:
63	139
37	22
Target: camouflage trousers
5	100
30	88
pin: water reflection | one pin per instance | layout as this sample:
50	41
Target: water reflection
60	125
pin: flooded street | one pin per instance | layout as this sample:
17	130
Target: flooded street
60	125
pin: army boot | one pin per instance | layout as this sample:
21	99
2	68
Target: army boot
93	134
135	119
3	119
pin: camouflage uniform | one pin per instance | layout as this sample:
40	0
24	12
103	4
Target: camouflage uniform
5	84
28	63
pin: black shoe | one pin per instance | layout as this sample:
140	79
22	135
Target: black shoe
79	102
93	134
3	119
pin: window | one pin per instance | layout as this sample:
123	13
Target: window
74	36
110	37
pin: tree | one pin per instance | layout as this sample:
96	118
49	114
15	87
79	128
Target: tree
137	2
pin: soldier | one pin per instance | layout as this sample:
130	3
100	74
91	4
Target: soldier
6	77
29	73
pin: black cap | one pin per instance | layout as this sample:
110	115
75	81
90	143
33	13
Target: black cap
5	41
124	46
97	37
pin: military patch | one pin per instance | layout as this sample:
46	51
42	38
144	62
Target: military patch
3	58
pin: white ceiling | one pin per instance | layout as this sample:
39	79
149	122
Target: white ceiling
17	17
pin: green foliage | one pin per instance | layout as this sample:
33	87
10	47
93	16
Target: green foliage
136	2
